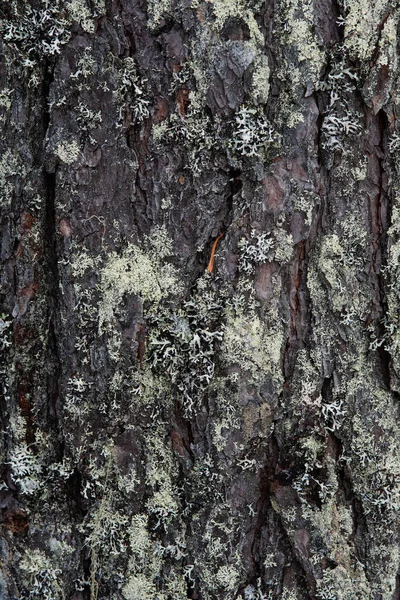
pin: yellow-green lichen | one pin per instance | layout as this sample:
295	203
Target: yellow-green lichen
361	29
68	152
10	167
140	272
260	79
139	587
252	344
157	11
80	11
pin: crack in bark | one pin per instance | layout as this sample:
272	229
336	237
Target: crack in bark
380	223
53	362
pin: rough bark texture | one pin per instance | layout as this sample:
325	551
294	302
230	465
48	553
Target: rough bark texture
174	432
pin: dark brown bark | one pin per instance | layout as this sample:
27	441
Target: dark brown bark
175	431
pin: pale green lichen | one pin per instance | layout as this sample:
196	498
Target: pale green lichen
223	9
254	345
197	132
252	133
163	503
139	538
139	587
228	578
41	575
284	245
86	66
5	103
226	390
68	152
130	93
337	584
360	30
260	79
83	261
392	273
298	27
10	167
140	272
305	201
157	11
339	262
80	11
26	468
387	43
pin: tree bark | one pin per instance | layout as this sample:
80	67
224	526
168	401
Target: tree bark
199	329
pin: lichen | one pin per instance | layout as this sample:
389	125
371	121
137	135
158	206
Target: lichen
260	79
78	10
26	468
138	587
68	152
253	344
140	272
10	169
157	11
360	26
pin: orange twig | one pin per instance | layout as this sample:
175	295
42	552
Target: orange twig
210	267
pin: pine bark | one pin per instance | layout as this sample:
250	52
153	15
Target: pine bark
199	324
